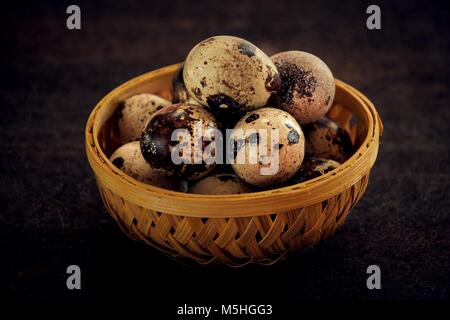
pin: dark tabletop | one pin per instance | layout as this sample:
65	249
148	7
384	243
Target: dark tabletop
52	215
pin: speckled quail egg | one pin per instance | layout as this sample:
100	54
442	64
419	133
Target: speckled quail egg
312	168
179	91
195	152
230	75
221	183
325	139
136	112
307	85
258	138
128	158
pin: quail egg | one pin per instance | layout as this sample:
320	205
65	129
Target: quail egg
307	85
221	183
179	91
187	153
230	75
268	147
312	168
324	139
136	112
128	158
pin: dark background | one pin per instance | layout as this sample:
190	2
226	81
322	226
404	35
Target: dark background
52	215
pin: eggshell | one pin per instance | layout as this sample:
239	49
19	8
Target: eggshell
128	158
157	144
290	147
324	139
136	112
179	91
312	168
307	85
221	183
230	75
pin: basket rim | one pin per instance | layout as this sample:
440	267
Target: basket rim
237	205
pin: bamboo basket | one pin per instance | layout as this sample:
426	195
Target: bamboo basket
260	227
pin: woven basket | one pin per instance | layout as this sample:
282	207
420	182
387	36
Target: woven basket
259	227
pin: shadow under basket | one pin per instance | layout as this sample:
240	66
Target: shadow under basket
260	227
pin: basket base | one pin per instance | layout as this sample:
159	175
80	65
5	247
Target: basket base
236	242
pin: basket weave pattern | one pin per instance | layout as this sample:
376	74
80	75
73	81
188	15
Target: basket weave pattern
260	227
234	241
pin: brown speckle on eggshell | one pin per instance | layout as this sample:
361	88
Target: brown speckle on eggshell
312	168
307	85
230	75
221	183
128	158
325	139
157	146
179	91
290	146
135	113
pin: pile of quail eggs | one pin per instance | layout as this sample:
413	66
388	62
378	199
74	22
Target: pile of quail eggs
227	82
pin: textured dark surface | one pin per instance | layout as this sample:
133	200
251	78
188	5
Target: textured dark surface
52	215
